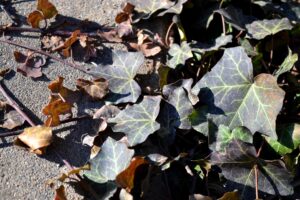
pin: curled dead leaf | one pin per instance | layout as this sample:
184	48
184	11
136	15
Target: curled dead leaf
60	193
47	8
68	44
96	89
58	91
35	138
145	45
31	65
54	109
12	120
125	14
35	18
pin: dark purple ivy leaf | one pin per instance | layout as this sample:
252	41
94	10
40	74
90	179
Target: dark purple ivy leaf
238	163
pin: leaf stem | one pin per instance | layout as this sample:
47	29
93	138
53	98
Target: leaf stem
73	65
13	104
256	182
17	132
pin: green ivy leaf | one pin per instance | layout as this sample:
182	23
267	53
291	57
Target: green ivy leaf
289	139
177	95
179	54
138	121
235	98
287	64
120	76
225	136
262	28
113	158
238	163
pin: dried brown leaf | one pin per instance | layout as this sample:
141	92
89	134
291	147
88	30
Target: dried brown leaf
54	109
12	120
96	89
60	193
126	178
35	18
47	8
30	64
36	139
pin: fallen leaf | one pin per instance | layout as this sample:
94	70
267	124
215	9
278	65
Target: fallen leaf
124	29
68	43
35	18
12	120
111	36
96	89
54	109
125	14
35	138
58	91
60	193
31	64
230	196
145	45
126	178
52	42
4	72
47	8
103	114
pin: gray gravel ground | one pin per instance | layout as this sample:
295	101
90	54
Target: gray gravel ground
23	175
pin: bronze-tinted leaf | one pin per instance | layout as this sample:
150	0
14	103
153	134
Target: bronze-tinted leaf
126	178
54	109
36	138
35	18
60	193
47	8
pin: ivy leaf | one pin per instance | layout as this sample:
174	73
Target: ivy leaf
181	106
219	42
225	136
287	64
235	17
289	139
120	76
138	121
235	98
179	54
262	28
113	158
176	9
238	164
148	7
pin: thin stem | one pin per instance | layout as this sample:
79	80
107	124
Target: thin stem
45	54
95	34
13	104
223	24
271	52
168	34
17	132
256	182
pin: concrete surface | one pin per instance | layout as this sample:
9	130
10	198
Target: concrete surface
23	175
